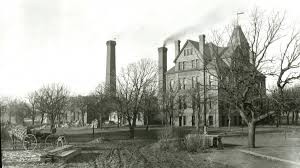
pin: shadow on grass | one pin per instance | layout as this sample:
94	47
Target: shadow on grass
140	133
231	145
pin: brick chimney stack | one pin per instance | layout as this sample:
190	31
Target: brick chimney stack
177	47
111	66
162	68
201	44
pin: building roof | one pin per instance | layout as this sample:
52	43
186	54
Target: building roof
238	38
207	47
172	70
211	50
236	43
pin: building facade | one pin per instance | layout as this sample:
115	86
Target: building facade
193	81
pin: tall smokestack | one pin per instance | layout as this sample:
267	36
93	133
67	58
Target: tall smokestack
162	68
177	47
111	66
201	43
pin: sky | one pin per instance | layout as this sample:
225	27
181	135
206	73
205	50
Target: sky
64	41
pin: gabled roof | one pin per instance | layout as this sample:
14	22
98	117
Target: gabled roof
208	49
194	43
236	43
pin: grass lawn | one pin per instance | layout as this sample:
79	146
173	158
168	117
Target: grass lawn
116	150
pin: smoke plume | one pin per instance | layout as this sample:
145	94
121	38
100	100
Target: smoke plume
214	16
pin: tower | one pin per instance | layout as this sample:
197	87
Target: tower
162	68
111	66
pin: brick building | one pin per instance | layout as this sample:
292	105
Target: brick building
187	77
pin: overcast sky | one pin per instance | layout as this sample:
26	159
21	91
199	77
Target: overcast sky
64	41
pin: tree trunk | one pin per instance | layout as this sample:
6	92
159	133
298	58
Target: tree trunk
198	120
172	118
131	131
58	120
297	117
132	126
100	121
42	120
288	118
251	134
147	122
52	127
33	118
82	118
33	115
229	118
278	118
293	118
118	116
281	108
229	123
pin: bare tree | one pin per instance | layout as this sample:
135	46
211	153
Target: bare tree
196	94
287	102
52	99
289	69
149	103
32	98
170	103
132	81
79	102
241	82
102	96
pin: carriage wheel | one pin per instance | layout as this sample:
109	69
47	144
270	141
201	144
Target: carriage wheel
50	140
29	142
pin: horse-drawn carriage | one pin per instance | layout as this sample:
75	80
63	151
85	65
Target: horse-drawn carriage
31	137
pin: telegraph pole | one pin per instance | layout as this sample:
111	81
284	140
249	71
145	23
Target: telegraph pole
204	95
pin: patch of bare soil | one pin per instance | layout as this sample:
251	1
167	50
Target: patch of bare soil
128	154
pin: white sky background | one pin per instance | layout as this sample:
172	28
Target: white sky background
64	41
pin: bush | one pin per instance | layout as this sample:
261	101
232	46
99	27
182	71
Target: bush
166	133
169	139
195	143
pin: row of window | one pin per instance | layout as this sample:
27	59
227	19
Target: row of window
182	120
209	102
183	65
195	81
182	104
237	120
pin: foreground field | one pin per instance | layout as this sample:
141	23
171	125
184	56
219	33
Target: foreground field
114	149
124	154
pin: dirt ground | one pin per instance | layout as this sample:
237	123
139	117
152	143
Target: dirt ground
116	151
115	154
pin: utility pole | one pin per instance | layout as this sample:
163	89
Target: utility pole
204	95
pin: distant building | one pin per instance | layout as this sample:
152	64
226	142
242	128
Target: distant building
188	72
